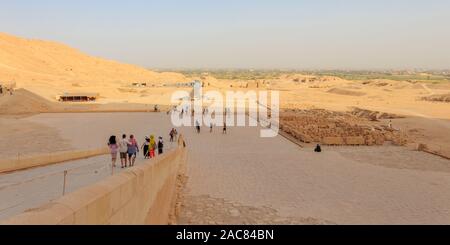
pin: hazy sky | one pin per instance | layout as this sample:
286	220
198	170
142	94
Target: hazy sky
299	34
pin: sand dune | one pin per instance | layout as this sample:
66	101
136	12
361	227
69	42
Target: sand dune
25	102
346	92
50	68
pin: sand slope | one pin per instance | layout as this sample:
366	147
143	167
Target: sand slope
25	102
49	68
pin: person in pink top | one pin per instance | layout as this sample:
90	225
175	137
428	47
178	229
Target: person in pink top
114	149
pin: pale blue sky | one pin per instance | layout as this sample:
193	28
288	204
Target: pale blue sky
299	34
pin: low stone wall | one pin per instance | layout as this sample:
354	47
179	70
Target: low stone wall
10	165
141	195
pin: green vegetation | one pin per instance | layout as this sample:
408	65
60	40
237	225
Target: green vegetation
242	74
235	74
428	76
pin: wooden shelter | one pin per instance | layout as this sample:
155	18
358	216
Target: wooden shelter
78	97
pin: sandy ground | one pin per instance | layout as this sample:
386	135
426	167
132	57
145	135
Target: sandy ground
40	65
236	178
435	133
18	139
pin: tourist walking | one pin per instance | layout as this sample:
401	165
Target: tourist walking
197	125
224	128
113	148
146	148
160	146
172	135
133	149
211	128
123	149
152	146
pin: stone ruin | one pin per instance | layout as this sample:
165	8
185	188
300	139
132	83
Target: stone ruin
336	128
373	115
437	98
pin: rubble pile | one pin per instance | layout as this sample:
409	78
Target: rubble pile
373	115
336	128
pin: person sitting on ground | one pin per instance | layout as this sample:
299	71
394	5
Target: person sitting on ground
123	149
160	146
318	149
113	147
146	148
133	149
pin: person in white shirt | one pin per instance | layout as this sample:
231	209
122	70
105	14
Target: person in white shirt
123	149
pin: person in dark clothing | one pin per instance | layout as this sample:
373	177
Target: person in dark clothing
146	148
225	128
197	125
160	146
172	135
318	149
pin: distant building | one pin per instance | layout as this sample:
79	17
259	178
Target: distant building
78	97
197	90
181	84
139	85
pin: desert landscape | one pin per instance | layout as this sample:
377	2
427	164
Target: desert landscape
385	138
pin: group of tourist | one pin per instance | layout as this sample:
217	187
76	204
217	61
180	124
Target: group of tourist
128	148
211	128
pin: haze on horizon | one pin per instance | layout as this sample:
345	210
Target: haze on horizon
260	34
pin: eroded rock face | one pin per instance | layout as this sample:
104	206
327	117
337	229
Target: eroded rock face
438	98
337	128
373	115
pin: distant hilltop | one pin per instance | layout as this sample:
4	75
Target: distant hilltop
49	68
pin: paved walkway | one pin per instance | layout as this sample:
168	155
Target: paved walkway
366	185
240	178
